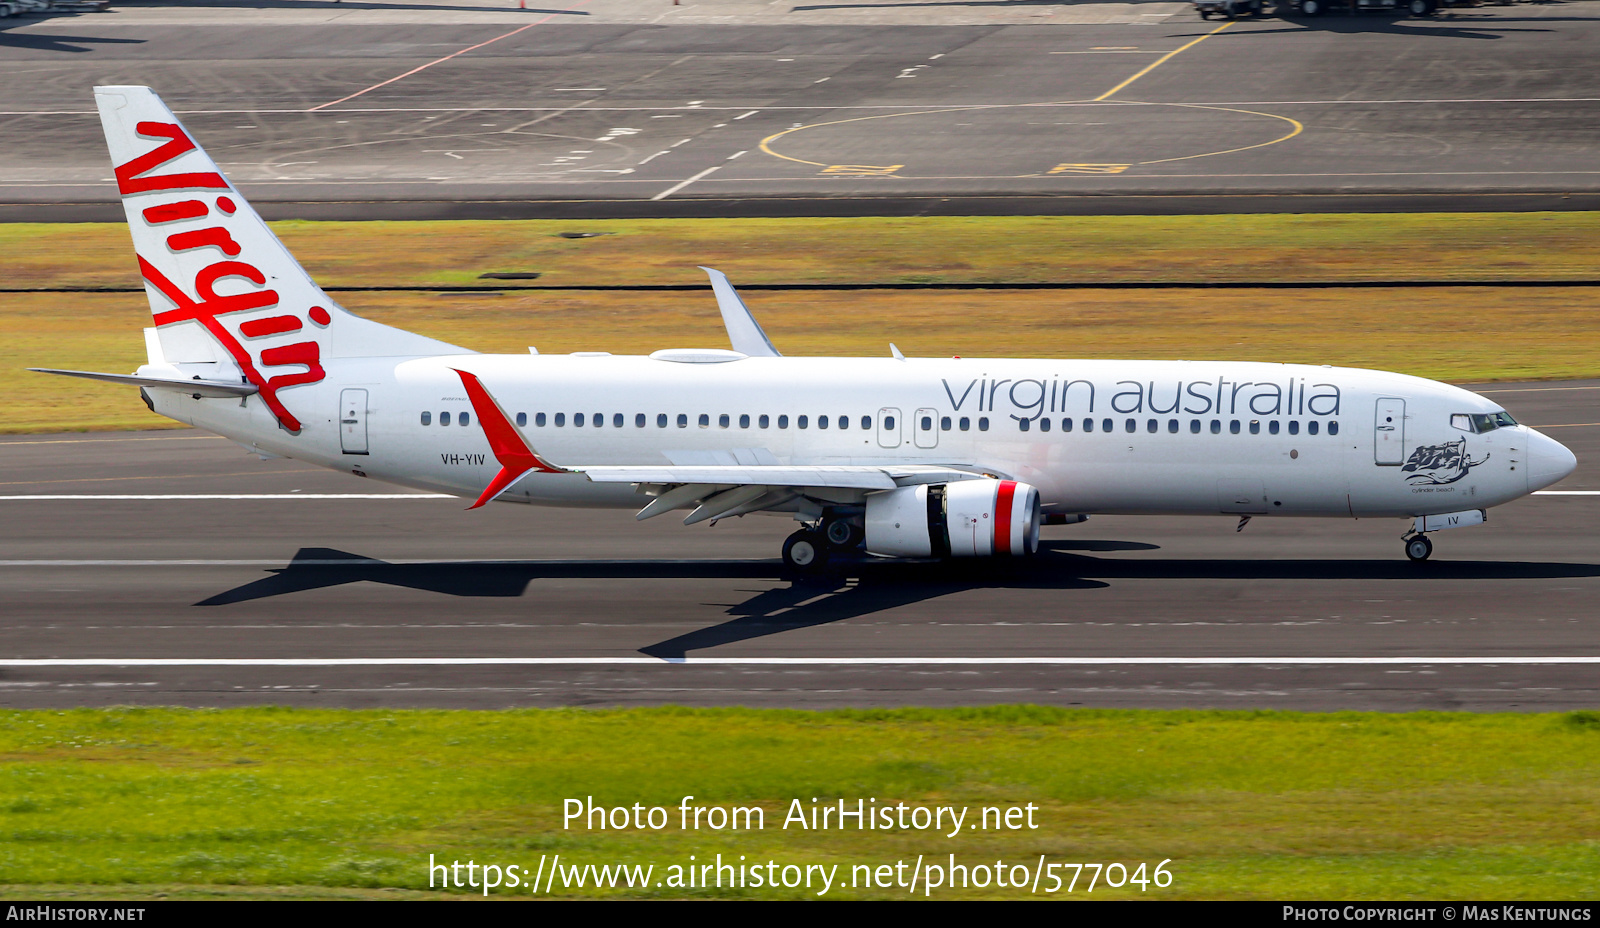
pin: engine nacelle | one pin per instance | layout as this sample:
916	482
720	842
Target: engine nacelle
967	518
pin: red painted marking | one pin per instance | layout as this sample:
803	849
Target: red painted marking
210	306
319	315
1002	516
513	453
226	205
201	238
128	174
172	212
272	325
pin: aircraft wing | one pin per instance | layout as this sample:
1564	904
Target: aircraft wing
719	490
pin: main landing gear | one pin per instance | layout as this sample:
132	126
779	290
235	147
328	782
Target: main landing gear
809	550
1418	547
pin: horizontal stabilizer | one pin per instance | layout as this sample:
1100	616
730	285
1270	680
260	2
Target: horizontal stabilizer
202	387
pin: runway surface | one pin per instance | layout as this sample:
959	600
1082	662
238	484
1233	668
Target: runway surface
373	110
125	552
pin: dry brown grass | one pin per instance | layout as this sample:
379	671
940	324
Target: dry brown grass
1458	333
1560	246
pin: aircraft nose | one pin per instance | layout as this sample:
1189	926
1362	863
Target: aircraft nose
1548	461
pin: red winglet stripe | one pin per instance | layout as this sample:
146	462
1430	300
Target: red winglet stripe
513	453
1002	516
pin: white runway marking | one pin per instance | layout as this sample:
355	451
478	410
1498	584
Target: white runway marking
165	496
777	661
679	186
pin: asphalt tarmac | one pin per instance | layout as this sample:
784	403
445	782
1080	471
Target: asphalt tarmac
437	110
124	549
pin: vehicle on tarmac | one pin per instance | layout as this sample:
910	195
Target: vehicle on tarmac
893	456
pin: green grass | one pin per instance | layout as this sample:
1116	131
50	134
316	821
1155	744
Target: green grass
1270	805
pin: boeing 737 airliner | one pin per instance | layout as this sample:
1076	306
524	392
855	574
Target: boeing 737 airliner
896	456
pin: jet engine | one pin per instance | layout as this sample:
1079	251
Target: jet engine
968	518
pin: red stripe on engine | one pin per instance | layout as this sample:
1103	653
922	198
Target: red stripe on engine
1002	516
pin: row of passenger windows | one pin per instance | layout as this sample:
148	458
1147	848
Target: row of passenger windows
925	423
1196	426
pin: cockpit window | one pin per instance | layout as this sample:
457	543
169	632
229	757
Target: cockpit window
1482	422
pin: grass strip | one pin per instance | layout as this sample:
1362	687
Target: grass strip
274	802
1448	333
1459	334
978	249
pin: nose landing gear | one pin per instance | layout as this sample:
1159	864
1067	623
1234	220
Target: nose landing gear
1418	547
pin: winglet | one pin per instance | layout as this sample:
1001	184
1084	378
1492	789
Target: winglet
513	453
743	331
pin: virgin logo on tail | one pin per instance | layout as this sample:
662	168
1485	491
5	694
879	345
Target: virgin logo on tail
206	306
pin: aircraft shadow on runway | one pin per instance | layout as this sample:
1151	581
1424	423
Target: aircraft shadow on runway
54	43
859	587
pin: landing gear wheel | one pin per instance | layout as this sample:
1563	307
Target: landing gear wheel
1311	7
1418	548
1423	7
805	552
842	534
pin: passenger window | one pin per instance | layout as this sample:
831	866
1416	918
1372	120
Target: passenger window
983	423
577	420
1216	426
1273	426
427	417
638	420
1333	427
464	418
1066	425
1151	426
522	419
1130	426
965	424
1022	424
722	421
661	420
599	419
444	418
561	419
705	420
1255	426
1088	425
1044	424
927	423
1172	426
538	420
1311	427
1194	426
822	422
1105	425
783	422
744	420
801	422
1294	427
683	420
616	420
844	422
764	422
944	424
866	423
1233	426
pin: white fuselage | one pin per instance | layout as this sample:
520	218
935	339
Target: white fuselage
1100	436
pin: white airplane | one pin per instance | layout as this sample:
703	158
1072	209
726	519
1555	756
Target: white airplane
897	457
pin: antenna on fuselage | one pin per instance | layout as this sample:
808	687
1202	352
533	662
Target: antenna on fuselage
743	331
